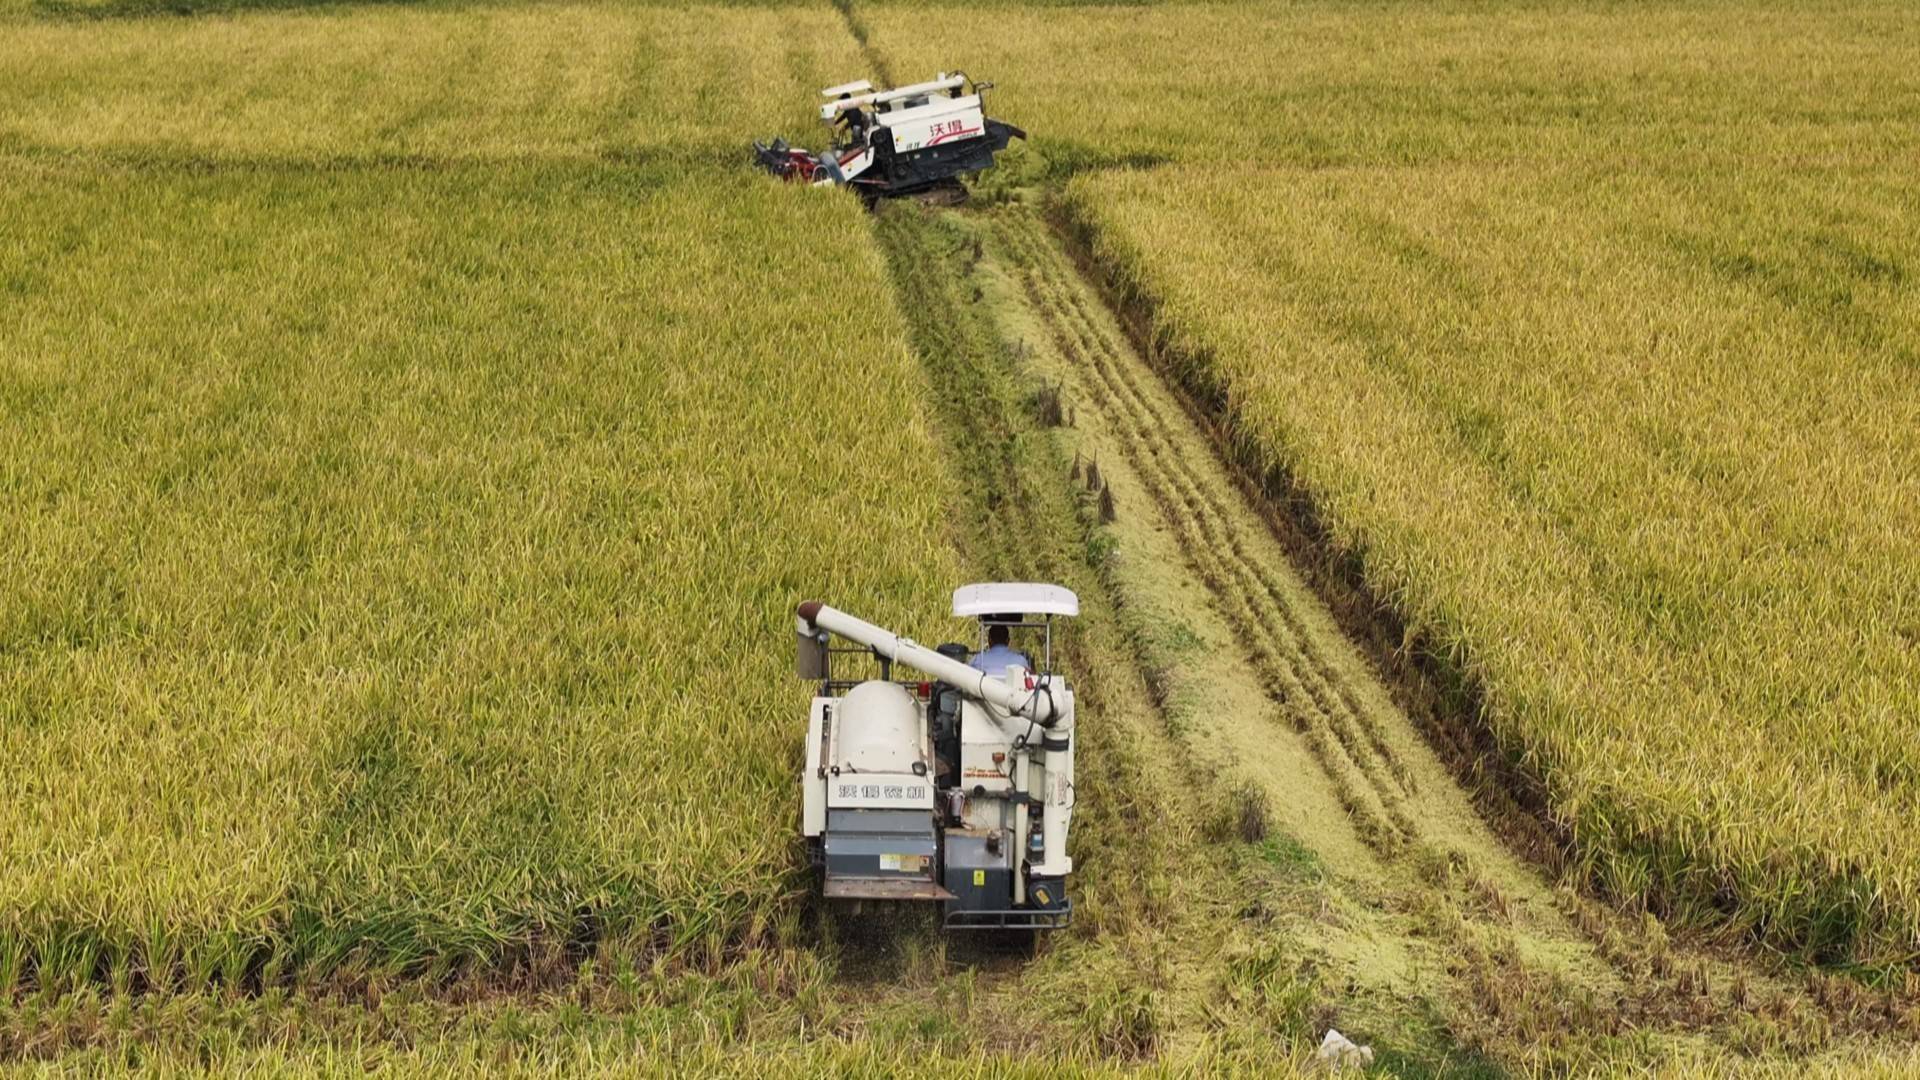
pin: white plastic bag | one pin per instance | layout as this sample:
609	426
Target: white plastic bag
1339	1052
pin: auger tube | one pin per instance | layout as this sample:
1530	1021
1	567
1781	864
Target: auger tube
1034	705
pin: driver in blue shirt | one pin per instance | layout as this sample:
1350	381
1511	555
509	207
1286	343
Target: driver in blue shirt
998	656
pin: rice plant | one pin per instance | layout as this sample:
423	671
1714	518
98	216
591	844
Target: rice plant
420	85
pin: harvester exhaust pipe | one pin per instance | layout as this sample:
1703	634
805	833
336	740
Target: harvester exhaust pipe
1036	705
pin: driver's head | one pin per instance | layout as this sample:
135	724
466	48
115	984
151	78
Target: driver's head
997	636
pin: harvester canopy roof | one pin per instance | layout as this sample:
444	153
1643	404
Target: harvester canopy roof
878	98
1002	597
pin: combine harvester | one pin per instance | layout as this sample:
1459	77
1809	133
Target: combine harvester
916	140
958	790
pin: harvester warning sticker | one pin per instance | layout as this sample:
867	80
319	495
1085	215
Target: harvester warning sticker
909	863
882	791
979	877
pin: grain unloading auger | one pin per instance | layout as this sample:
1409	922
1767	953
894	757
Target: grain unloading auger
913	140
958	789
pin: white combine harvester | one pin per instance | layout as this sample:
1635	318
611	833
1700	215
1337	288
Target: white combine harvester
914	140
957	790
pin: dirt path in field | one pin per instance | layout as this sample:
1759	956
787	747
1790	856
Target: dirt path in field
1411	908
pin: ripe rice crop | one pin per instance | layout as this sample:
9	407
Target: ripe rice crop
400	561
1595	333
412	444
1333	82
422	85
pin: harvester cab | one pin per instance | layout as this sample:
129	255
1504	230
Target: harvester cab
958	789
911	140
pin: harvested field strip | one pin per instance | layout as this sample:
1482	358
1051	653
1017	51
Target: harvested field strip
1332	694
1148	889
1296	680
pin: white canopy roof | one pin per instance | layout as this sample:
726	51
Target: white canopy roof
864	93
1009	597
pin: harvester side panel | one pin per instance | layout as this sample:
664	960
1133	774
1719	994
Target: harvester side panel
813	774
945	120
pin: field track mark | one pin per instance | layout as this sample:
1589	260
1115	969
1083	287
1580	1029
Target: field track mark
882	73
1323	679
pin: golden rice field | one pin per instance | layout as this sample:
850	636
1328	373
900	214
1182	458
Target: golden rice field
1734	83
398	520
1596	334
416	421
549	82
